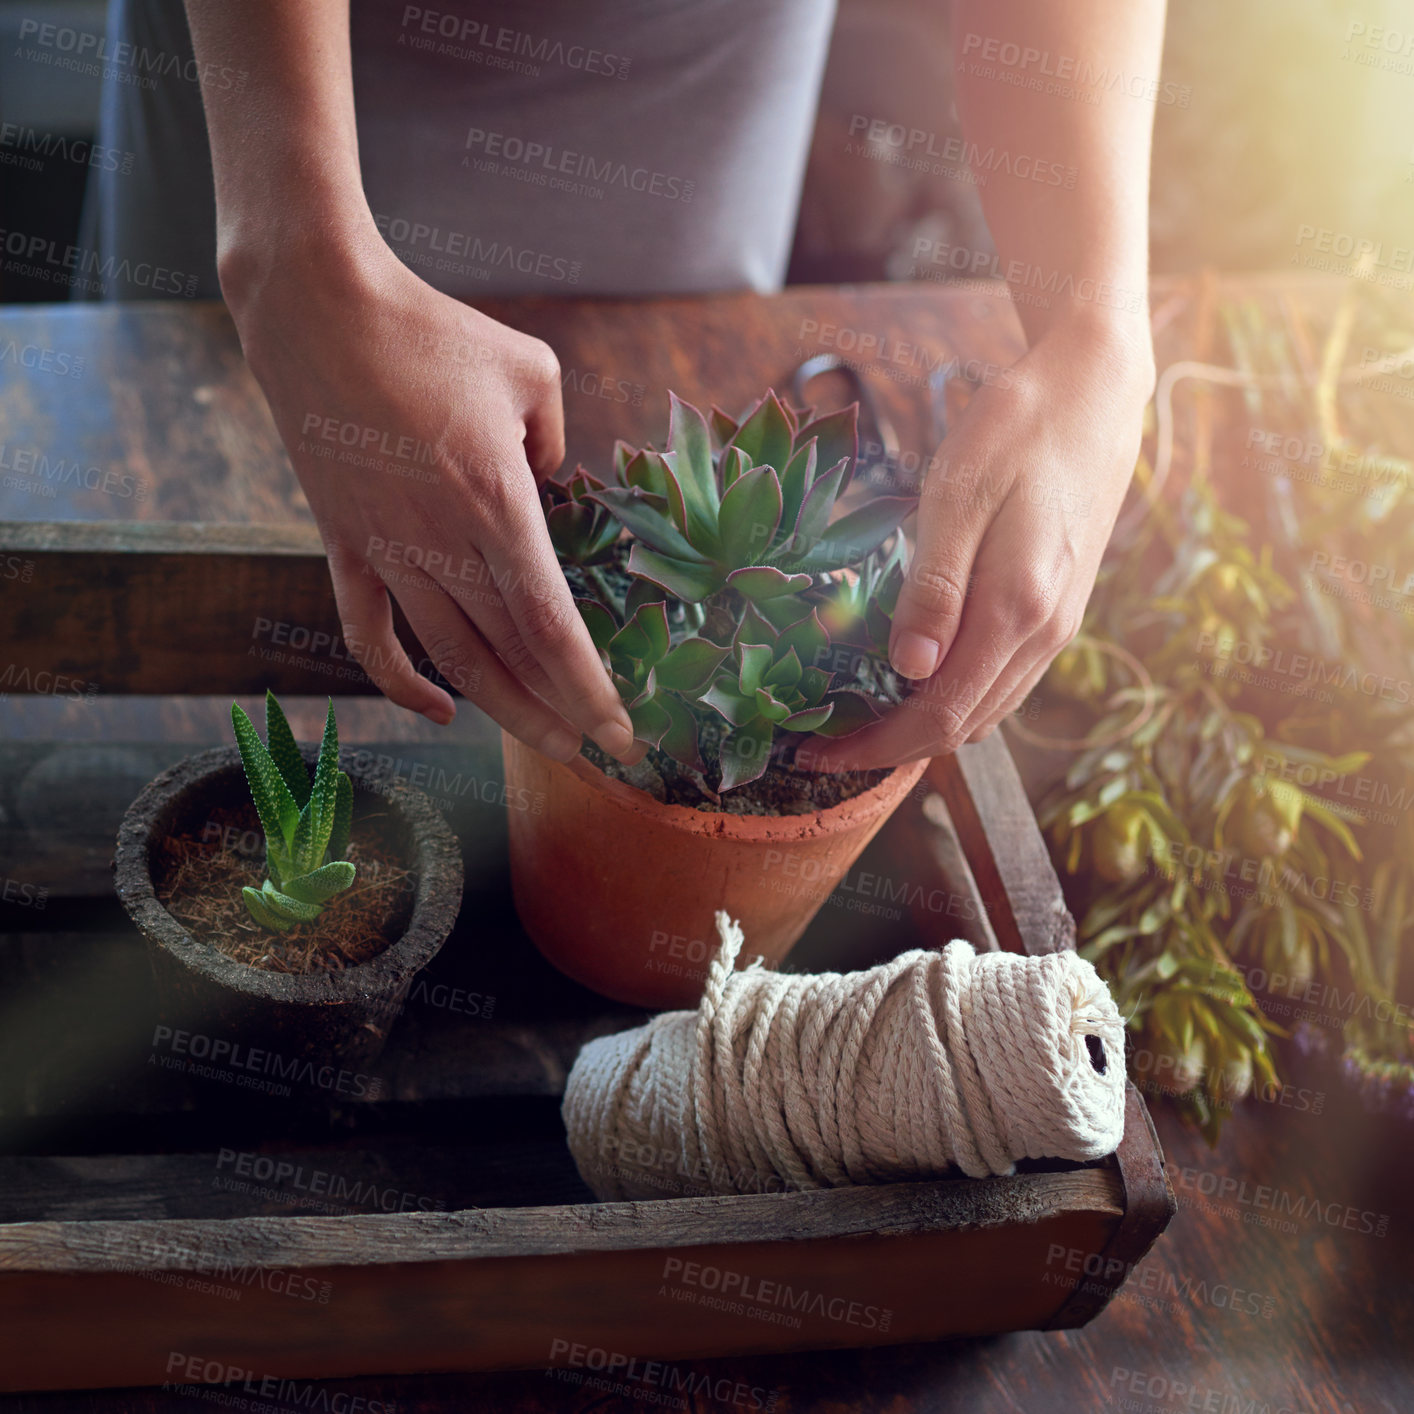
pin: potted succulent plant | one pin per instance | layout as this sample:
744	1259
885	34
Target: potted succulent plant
286	912
738	617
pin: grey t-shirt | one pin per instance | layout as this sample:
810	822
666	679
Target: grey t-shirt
613	147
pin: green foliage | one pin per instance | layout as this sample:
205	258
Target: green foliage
306	822
1209	830
748	597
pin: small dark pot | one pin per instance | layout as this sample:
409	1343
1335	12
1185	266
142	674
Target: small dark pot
311	1031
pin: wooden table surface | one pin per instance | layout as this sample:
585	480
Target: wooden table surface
1283	1282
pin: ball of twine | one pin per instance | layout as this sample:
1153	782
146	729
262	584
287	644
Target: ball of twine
929	1063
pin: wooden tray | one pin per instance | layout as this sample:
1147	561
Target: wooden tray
157	1224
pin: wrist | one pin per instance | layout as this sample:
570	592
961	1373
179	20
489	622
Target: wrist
288	242
1113	343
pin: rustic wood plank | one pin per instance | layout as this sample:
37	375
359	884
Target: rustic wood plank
382	1239
1149	1205
469	1166
1007	855
948	903
169	608
864	1289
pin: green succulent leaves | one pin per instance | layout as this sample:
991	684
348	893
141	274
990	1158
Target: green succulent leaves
306	822
756	517
749	596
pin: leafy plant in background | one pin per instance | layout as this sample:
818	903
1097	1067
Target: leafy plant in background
306	822
738	609
1196	852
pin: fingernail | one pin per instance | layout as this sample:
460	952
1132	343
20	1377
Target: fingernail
640	750
914	655
614	737
561	745
442	715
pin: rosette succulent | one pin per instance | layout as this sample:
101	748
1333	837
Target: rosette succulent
745	610
306	822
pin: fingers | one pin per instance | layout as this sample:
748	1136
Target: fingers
544	414
367	618
463	657
1013	703
931	720
548	629
928	616
1011	627
485	607
1011	687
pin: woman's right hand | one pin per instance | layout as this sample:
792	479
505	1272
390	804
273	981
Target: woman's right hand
445	421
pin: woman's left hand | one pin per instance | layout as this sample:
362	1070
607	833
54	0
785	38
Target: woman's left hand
1015	513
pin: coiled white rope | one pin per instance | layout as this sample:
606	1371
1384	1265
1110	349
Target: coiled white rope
931	1062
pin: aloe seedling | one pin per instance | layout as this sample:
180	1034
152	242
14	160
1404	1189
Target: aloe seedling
306	822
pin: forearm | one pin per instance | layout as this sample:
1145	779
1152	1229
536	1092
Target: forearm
1076	254
284	146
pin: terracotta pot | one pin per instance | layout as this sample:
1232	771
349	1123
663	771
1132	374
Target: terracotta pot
313	1031
619	890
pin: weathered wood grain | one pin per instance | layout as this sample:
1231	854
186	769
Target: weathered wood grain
997	829
1333	1322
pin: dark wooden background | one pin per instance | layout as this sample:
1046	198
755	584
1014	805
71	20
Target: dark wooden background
1226	1314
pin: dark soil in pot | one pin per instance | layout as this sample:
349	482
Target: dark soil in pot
779	790
199	874
261	1027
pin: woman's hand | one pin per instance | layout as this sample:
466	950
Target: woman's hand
418	429
1015	514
